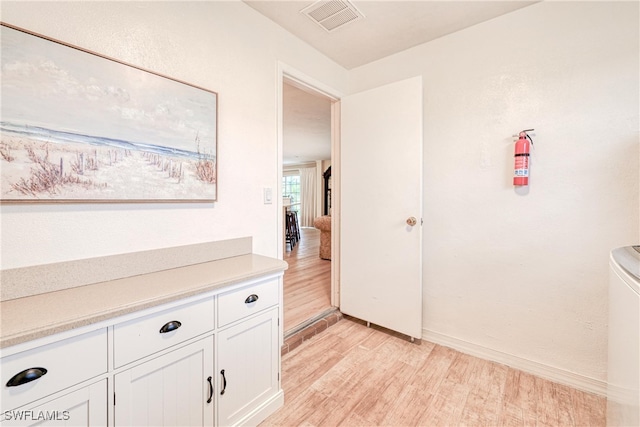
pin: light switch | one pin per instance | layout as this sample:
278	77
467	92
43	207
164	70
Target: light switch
268	196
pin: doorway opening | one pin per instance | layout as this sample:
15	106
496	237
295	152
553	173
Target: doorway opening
307	134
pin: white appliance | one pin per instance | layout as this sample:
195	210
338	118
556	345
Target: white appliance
623	390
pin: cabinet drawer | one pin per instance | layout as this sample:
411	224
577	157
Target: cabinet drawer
146	335
235	305
67	362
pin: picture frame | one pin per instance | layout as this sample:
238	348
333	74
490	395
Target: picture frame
80	127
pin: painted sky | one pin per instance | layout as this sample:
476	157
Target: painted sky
54	86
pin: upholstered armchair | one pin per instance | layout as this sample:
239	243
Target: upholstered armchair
323	223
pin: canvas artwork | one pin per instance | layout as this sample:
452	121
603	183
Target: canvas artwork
80	127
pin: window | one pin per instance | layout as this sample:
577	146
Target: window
291	188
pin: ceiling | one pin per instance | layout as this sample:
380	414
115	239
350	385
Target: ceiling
387	27
306	126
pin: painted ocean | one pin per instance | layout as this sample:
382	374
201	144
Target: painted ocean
57	136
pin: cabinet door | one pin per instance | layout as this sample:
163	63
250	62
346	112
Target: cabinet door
84	407
249	355
175	389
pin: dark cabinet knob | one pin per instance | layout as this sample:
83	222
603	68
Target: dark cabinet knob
170	326
251	298
26	376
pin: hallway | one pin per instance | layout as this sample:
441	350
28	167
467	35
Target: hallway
307	281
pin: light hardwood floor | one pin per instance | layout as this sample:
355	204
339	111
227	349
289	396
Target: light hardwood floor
307	281
354	375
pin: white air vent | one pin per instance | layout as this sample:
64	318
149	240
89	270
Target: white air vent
332	14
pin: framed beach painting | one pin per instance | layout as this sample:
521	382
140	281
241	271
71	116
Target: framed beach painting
80	127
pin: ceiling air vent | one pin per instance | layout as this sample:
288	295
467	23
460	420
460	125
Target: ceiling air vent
332	14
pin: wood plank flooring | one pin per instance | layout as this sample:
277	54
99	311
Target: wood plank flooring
351	375
307	281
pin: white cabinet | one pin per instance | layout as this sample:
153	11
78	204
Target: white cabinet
148	334
175	389
86	406
247	300
174	382
211	359
248	367
41	384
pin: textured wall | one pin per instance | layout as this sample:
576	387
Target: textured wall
226	47
525	272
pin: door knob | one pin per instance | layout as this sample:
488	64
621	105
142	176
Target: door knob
412	221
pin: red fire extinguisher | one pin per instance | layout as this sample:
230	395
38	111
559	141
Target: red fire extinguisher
521	169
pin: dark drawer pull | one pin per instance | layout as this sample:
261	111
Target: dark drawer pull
170	326
251	298
26	376
224	382
210	390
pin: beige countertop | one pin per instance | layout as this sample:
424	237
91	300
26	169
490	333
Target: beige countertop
37	316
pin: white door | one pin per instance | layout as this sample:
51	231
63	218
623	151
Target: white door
248	357
381	189
175	389
84	407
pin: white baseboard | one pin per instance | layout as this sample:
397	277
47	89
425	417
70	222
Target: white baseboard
551	373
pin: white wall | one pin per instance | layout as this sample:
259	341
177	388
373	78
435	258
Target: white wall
226	47
521	274
526	275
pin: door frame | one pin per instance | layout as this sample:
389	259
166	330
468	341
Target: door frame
309	84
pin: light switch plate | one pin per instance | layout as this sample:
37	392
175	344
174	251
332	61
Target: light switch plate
268	195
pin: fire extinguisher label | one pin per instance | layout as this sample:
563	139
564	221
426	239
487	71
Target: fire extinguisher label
522	166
